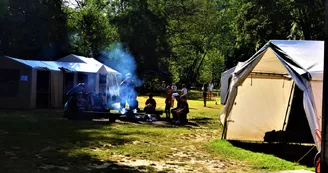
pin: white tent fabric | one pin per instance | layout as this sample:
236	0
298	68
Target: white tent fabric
55	66
298	60
113	77
75	64
259	113
56	89
81	59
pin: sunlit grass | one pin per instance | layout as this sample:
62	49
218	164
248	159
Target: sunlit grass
31	139
257	161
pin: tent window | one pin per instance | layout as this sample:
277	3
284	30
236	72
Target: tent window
82	78
102	79
9	83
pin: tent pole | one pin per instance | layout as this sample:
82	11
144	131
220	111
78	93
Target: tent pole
324	135
288	106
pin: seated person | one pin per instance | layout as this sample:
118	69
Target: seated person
98	103
81	103
133	104
182	111
89	100
150	107
174	110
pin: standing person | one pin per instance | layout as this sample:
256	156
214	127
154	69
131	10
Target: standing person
184	90
204	88
210	89
163	87
174	90
126	90
168	102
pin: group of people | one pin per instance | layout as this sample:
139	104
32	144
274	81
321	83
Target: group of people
207	91
179	114
82	100
79	99
90	102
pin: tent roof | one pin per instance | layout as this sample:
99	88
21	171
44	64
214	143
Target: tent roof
308	54
81	59
55	65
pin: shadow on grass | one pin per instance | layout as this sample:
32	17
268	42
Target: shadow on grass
289	152
203	120
41	141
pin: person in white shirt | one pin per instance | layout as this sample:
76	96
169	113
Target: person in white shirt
184	90
210	89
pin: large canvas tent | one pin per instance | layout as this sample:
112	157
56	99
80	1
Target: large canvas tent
262	93
43	84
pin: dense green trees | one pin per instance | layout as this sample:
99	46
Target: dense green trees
182	41
33	29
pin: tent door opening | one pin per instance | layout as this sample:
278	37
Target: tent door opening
298	129
68	84
102	83
43	89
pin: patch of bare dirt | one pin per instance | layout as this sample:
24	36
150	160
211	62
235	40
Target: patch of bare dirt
188	158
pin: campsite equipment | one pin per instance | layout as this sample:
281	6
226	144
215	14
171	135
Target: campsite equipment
279	89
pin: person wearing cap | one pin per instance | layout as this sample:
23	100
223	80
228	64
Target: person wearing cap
150	107
174	110
127	90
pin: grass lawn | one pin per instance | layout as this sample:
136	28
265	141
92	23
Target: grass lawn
42	141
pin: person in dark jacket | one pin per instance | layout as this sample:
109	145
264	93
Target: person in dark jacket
205	89
150	107
174	110
182	111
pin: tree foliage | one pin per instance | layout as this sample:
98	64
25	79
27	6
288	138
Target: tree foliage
181	41
33	29
89	29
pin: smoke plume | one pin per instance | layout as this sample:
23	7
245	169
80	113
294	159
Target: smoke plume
121	60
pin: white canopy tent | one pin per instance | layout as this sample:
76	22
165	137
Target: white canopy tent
261	90
112	76
27	80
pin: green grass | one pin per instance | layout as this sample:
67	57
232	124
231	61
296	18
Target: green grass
34	140
257	161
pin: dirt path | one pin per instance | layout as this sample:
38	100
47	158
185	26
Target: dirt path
191	157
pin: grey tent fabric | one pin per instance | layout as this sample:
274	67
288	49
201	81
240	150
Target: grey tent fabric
224	83
296	57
